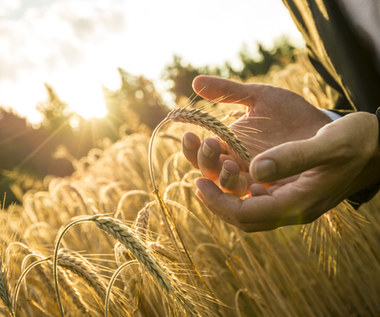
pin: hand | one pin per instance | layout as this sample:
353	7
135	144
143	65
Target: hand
326	164
274	116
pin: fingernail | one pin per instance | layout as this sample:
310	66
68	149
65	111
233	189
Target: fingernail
265	169
226	172
199	195
188	145
207	150
225	178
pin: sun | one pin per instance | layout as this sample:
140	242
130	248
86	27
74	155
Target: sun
88	102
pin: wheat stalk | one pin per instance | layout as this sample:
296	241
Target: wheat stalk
78	265
21	279
209	122
72	292
4	290
161	249
126	236
112	281
82	268
142	222
137	248
203	119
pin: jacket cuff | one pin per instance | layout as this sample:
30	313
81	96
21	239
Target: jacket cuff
366	194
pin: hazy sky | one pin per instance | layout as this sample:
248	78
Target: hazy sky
77	45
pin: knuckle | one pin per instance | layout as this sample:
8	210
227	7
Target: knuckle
346	150
229	182
298	156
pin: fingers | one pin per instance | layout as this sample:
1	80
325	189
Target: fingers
190	147
258	190
209	159
208	155
233	180
222	204
292	158
260	212
252	214
224	90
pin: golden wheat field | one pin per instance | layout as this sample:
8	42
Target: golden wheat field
112	247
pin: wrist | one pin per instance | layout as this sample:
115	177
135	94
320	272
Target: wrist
378	121
368	183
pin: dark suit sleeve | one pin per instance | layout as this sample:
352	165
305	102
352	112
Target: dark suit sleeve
346	62
366	194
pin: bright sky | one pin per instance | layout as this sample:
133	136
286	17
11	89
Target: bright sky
77	45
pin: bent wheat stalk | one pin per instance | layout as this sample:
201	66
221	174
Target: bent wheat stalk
4	290
126	236
82	268
55	256
206	121
137	248
212	124
21	278
112	281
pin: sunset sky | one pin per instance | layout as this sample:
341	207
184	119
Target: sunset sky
76	45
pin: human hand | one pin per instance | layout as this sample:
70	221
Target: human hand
279	114
309	176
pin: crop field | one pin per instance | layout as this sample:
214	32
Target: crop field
102	242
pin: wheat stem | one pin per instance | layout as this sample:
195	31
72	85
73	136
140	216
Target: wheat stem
82	268
125	235
4	290
112	281
21	278
55	256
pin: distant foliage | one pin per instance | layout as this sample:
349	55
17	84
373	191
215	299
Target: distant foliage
181	74
55	112
136	104
28	154
282	54
25	156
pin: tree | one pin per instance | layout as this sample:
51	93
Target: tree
55	112
135	103
281	54
180	76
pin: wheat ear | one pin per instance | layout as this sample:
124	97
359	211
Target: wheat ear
81	267
72	292
4	290
166	252
142	222
129	239
78	265
209	122
55	255
126	236
21	278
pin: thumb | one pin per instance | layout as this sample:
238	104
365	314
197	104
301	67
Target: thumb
224	90
291	158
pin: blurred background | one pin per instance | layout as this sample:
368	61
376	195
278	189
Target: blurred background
79	74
